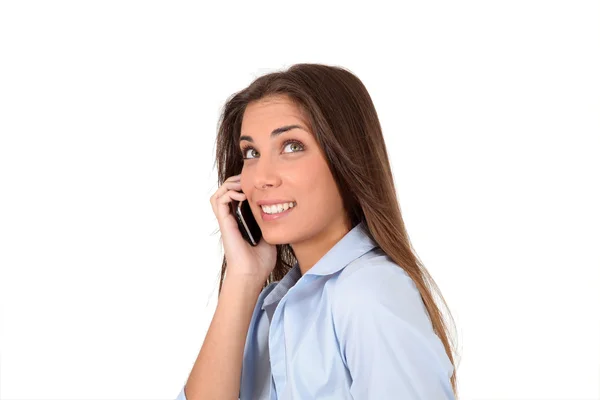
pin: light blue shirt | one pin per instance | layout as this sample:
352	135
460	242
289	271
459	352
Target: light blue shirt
354	326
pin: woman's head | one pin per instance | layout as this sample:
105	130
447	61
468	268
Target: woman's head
338	174
283	164
341	161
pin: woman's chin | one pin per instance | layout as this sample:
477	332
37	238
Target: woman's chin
274	238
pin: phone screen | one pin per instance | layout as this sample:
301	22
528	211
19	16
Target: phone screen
246	223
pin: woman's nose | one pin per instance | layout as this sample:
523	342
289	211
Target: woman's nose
265	174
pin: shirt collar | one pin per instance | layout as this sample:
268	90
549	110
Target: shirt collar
353	245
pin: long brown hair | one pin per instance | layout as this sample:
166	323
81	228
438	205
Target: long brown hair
345	124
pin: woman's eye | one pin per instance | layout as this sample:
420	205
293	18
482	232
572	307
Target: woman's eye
297	145
294	145
245	152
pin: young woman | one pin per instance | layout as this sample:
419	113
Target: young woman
333	303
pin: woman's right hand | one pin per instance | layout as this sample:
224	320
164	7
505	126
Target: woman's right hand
243	259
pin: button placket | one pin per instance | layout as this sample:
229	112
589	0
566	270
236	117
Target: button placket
275	335
277	338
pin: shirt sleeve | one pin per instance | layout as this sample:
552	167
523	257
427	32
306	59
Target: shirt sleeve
181	395
386	338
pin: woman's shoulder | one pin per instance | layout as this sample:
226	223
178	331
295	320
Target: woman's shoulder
372	270
375	282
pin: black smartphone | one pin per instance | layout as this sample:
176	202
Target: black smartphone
246	223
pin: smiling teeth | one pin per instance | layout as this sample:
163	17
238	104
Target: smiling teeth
277	208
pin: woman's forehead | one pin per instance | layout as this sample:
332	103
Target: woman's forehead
263	115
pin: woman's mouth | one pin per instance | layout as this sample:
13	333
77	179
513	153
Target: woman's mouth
276	211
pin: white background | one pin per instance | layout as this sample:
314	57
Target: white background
108	114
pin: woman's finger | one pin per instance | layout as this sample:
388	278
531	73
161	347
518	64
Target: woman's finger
231	194
224	188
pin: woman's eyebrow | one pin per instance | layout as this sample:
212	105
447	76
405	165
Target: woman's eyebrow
275	132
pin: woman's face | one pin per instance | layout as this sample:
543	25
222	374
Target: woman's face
287	167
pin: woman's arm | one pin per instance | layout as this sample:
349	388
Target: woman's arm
216	373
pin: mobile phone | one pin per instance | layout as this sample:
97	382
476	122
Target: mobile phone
246	223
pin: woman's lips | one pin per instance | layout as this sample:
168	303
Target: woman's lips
273	217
